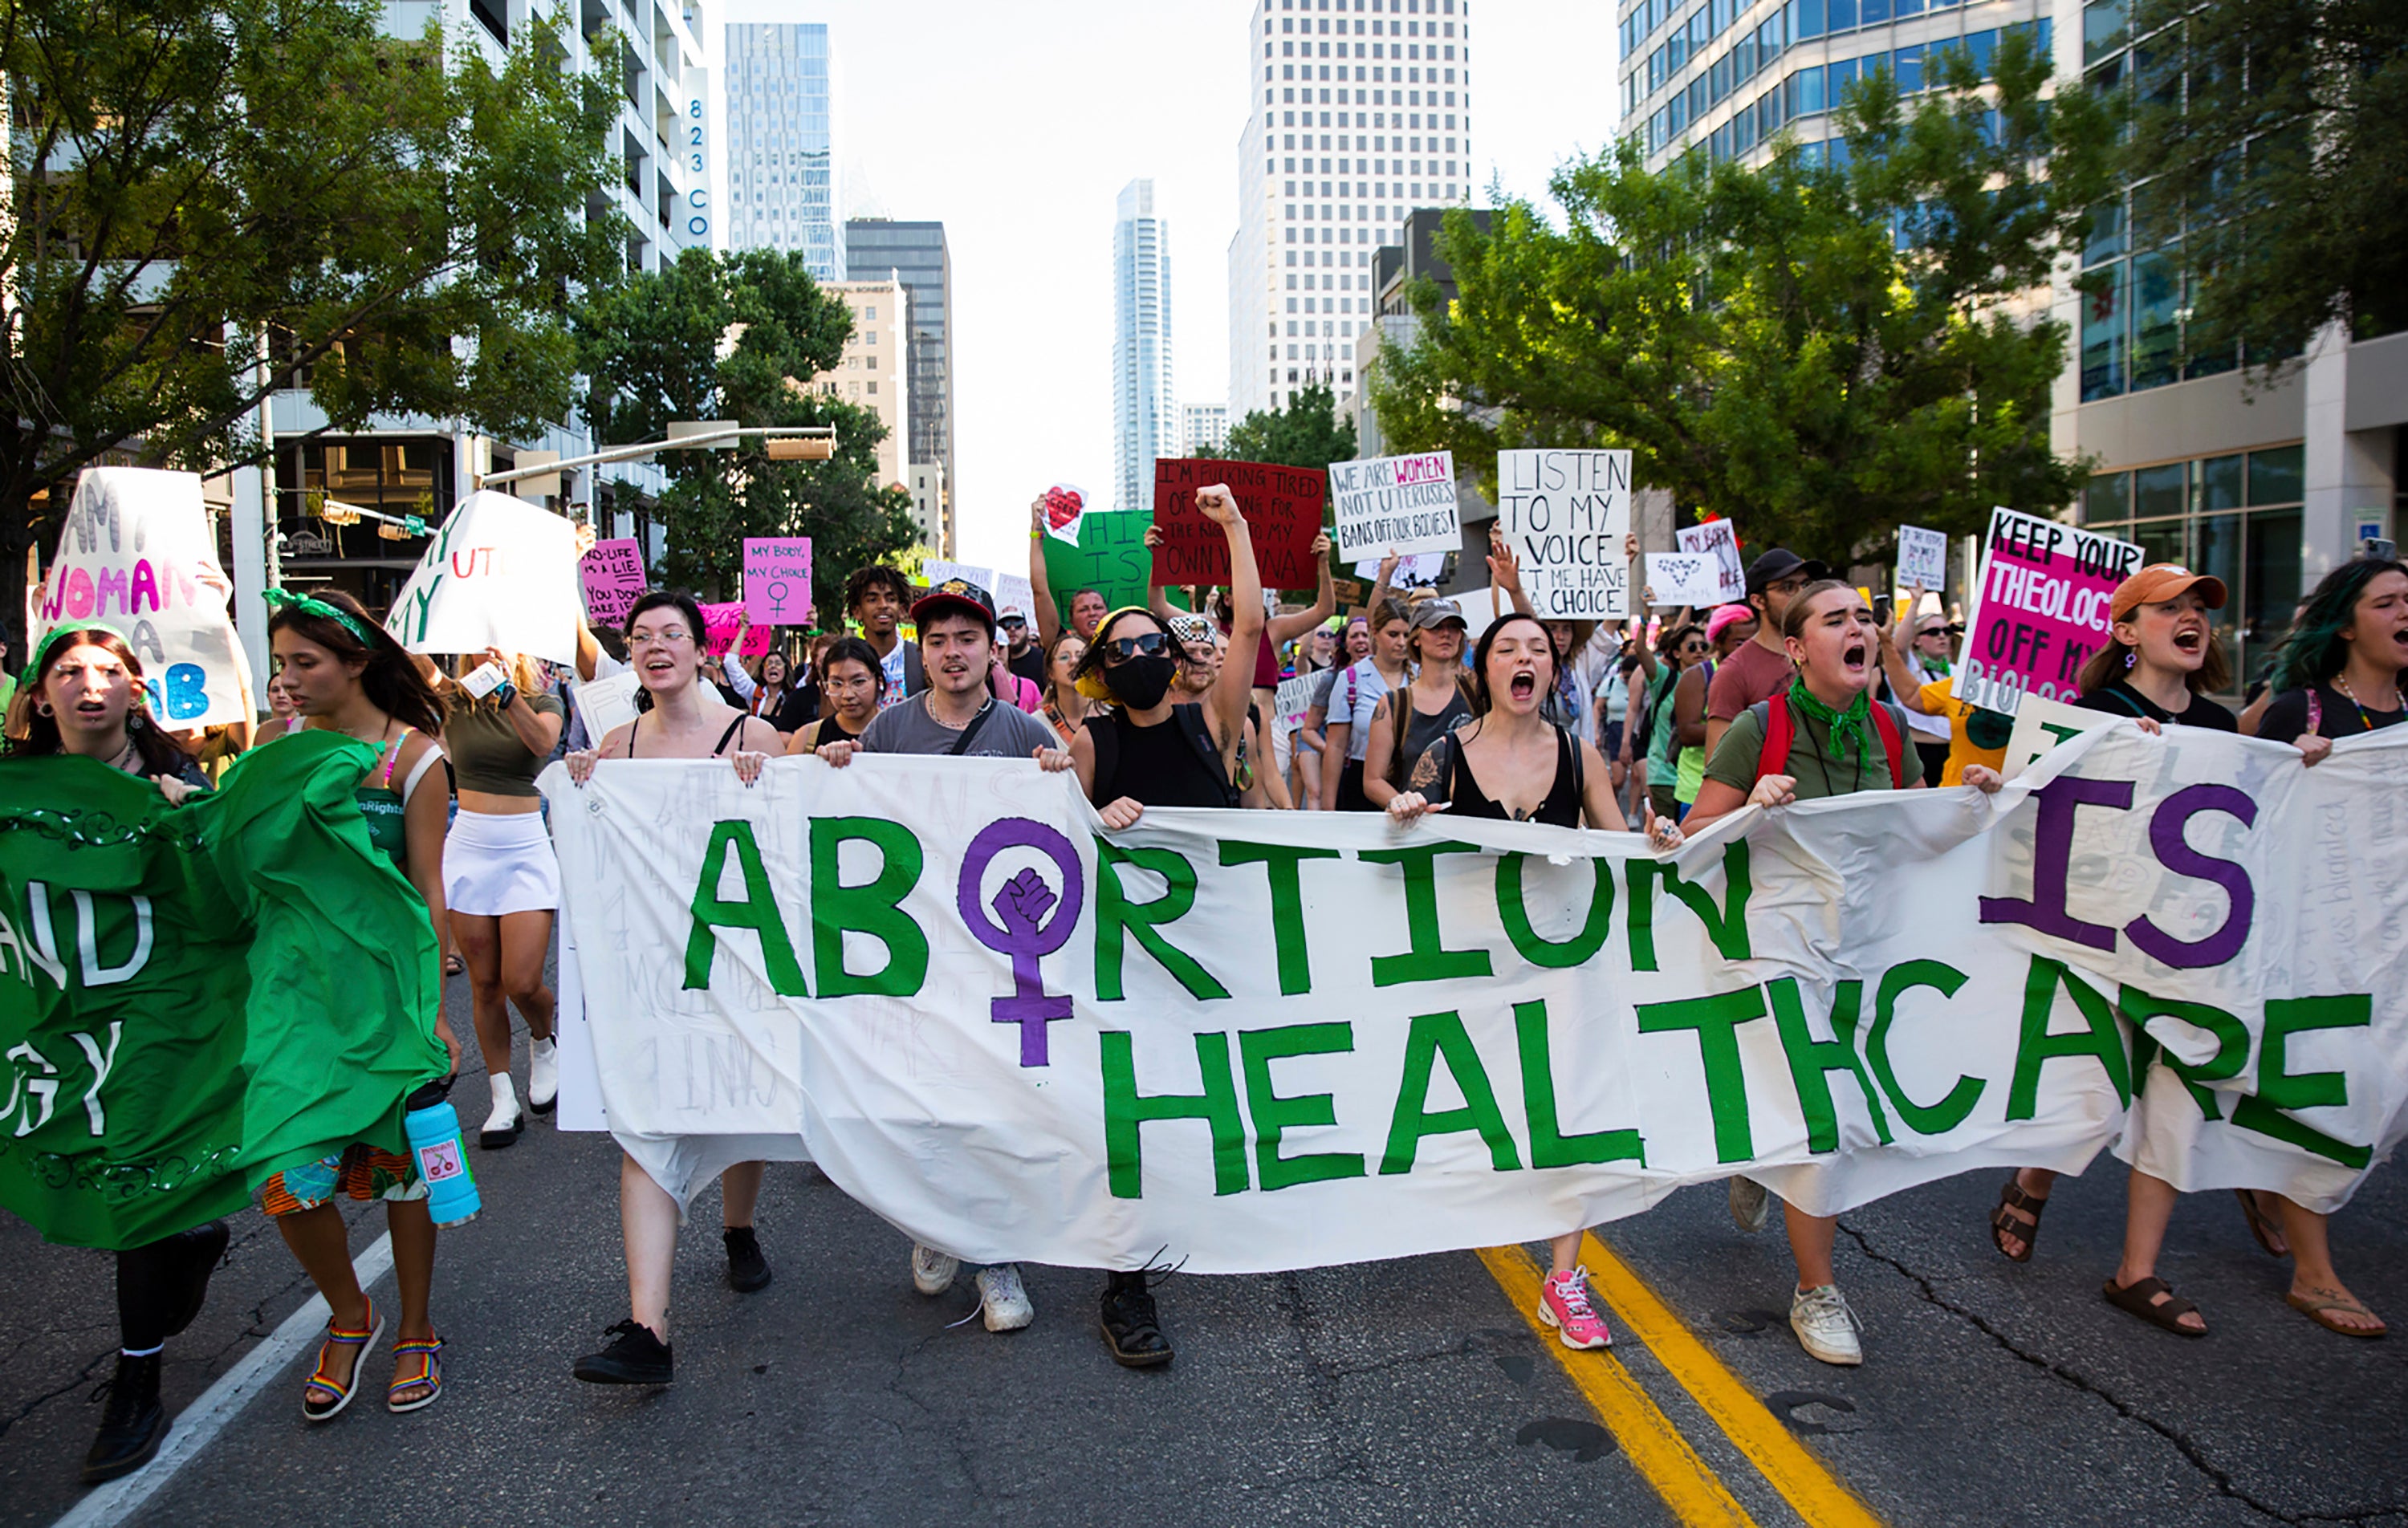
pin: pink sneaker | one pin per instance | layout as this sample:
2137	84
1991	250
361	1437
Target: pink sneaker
1564	1303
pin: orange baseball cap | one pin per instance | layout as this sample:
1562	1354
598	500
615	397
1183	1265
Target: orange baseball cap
2163	581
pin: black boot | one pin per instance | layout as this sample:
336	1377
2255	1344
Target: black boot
747	1270
1131	1329
198	1252
135	1424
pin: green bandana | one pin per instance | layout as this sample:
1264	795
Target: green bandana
310	605
56	637
1848	728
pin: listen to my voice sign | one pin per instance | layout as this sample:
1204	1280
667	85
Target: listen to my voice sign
778	580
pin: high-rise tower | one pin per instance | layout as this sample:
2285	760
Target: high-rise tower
1145	424
781	179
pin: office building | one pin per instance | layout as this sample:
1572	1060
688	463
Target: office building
1203	427
916	253
781	171
1145	423
871	372
1366	115
931	509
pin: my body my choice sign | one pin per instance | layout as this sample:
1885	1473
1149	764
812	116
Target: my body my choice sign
1017	1038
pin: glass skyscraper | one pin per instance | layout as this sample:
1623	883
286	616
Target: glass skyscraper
916	252
781	176
1145	422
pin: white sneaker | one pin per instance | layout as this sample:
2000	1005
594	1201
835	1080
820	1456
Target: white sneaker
1749	1204
1826	1327
543	1074
932	1272
1003	1299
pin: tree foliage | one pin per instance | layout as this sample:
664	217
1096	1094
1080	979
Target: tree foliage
1308	433
741	336
2277	131
1818	352
191	177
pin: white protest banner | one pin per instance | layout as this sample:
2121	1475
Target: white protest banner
2039	609
501	573
1685	577
2042	724
1720	538
137	554
932	573
1566	514
1422	570
1922	558
1256	1044
1396	504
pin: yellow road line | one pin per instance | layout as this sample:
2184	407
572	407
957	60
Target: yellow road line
1793	1469
1655	1447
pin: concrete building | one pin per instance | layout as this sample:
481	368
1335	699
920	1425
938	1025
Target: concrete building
782	187
1203	427
872	370
1336	155
916	253
931	510
1145	425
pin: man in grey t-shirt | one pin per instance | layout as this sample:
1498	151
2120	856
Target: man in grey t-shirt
958	714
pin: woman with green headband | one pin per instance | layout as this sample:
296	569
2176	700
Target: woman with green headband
82	695
1825	738
345	674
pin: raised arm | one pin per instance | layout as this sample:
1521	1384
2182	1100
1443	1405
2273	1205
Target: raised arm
1235	686
1380	588
1288	628
1049	623
1505	571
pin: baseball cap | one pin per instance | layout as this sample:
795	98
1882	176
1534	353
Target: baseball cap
1011	612
955	596
1771	566
1724	618
1435	612
2163	581
1193	630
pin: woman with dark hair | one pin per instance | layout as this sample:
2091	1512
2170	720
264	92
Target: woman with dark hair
1350	644
675	720
1439	696
768	687
346	674
1352	697
853	683
82	695
1508	763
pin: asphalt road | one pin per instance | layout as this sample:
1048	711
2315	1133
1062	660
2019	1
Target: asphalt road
1403	1393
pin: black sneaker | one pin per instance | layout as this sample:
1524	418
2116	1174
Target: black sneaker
198	1251
133	1426
1131	1329
636	1357
747	1269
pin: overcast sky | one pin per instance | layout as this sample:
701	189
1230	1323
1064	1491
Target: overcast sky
1016	123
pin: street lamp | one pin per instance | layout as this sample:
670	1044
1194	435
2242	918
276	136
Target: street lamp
786	442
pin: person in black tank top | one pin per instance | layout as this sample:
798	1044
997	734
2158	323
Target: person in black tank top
1151	751
1509	763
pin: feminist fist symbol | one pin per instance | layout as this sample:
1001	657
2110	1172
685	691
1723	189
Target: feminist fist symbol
1025	933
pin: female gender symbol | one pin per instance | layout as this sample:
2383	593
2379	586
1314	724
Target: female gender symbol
1024	934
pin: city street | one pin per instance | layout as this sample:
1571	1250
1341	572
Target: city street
1414	1392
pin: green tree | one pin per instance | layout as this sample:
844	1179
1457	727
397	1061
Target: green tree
741	336
1308	433
197	180
1818	352
2277	133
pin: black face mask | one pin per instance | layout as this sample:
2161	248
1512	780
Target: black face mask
1140	682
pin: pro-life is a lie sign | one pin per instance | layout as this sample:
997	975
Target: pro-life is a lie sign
778	580
1403	504
2039	609
1566	514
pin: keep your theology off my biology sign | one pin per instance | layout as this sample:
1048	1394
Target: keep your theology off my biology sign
2039	609
1016	1038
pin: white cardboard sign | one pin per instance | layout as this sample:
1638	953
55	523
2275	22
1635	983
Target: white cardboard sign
1922	558
1566	514
1685	577
1719	539
501	573
1402	504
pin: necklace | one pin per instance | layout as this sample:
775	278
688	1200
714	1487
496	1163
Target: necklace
117	760
2340	682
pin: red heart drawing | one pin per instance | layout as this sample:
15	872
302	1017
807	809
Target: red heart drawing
1063	506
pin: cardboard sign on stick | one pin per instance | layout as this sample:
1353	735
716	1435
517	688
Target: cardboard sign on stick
778	580
1685	577
2039	609
1564	514
1281	506
500	573
1402	504
1922	558
1720	540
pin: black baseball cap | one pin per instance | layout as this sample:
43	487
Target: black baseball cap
1772	566
952	597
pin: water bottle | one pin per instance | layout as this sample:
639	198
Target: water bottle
443	1164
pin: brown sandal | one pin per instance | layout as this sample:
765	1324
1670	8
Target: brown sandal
2141	1299
2314	1309
2262	1226
2003	1223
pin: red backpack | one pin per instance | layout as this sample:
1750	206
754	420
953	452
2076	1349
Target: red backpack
1780	732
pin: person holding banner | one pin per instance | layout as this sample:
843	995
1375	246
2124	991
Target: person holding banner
1761	668
665	641
1149	750
1824	736
1440	698
851	679
81	697
346	674
1353	697
1507	762
501	882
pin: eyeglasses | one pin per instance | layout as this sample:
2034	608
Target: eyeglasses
1789	585
662	638
1693	648
1120	649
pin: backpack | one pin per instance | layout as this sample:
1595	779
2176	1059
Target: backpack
1781	732
1192	726
1401	719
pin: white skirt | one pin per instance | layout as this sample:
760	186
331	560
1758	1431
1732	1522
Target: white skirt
496	862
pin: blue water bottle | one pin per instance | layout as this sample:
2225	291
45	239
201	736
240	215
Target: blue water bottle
443	1164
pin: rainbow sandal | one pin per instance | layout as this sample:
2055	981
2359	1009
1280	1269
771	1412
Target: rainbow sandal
430	1373
321	1398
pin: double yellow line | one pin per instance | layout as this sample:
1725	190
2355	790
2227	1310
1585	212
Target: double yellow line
1689	1486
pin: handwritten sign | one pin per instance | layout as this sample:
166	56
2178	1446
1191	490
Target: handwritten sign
1012	592
1396	504
1685	577
1065	506
778	580
137	554
1922	558
1422	570
1293	697
1110	557
613	576
1719	539
932	573
720	623
2039	609
1281	506
1564	514
501	573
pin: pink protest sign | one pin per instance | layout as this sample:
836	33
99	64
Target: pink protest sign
613	576
2039	609
719	626
778	580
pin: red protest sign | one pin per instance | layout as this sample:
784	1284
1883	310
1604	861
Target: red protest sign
1281	505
